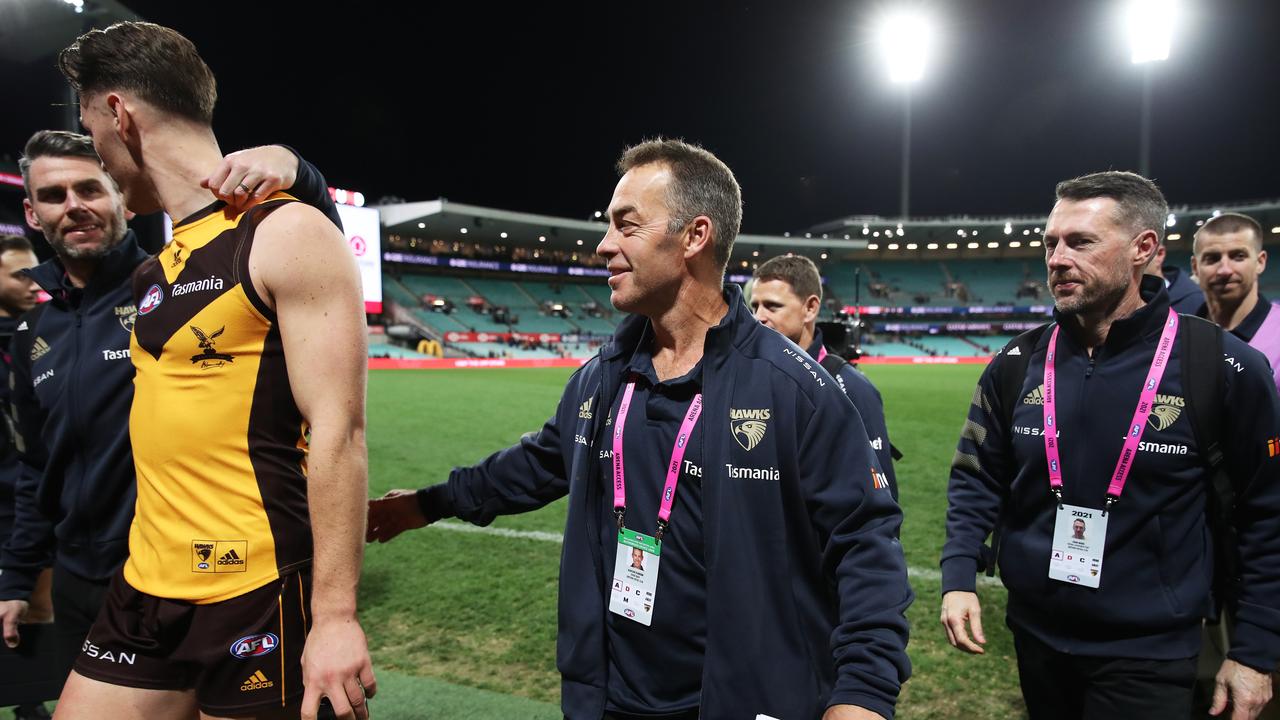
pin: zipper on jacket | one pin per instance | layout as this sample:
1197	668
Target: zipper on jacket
77	421
1088	371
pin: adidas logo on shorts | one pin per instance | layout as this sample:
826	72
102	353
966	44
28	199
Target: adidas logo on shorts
230	558
256	681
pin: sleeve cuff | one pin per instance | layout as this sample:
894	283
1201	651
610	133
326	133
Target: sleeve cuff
1255	646
869	702
435	503
16	584
959	573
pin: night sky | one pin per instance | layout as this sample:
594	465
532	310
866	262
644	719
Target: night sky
525	106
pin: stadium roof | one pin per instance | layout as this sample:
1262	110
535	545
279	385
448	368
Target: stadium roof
867	236
441	219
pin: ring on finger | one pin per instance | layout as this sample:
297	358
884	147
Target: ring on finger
246	189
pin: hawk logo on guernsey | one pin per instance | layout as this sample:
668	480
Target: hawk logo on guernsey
231	556
748	426
202	550
151	300
177	258
209	357
251	646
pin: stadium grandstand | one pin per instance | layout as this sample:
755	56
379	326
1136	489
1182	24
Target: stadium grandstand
495	284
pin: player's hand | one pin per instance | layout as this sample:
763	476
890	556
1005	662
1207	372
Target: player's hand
336	665
1247	689
850	712
392	514
245	178
12	612
959	607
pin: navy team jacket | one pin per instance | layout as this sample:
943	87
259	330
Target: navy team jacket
806	582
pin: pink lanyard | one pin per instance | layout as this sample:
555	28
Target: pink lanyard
1145	402
822	353
673	468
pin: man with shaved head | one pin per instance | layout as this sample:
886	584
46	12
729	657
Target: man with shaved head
1227	260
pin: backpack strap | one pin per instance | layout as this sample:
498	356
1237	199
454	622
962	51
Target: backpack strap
1204	382
833	364
1015	358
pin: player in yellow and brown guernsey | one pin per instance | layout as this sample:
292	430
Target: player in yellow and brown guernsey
239	594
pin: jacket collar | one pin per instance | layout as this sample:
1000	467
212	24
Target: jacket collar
1145	323
815	348
733	329
113	269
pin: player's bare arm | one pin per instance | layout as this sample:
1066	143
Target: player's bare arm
301	266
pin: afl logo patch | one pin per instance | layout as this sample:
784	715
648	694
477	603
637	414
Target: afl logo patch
251	646
152	300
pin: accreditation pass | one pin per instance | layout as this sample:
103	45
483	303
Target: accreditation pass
1079	536
635	576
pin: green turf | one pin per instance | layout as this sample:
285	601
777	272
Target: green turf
478	611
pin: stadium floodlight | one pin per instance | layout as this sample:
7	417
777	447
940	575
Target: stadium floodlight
1008	228
1171	221
1150	24
906	39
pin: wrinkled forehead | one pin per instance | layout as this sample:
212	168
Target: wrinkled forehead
67	171
1091	216
642	190
774	290
1226	242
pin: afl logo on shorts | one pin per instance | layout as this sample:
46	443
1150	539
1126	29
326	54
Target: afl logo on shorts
251	646
151	300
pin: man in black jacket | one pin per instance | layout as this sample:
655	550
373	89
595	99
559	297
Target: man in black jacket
73	379
780	586
786	295
1108	625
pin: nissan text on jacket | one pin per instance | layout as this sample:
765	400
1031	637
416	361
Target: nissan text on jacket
806	583
1158	568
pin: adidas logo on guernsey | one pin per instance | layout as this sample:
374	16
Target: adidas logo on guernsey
230	558
584	411
1035	397
256	681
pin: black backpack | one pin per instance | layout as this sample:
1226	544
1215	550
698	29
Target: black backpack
1204	381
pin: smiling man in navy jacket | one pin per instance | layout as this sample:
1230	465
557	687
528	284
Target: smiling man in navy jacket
1107	625
781	588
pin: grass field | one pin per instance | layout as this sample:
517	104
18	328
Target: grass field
462	624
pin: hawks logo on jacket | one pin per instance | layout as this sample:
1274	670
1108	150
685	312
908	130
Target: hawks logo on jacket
748	426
